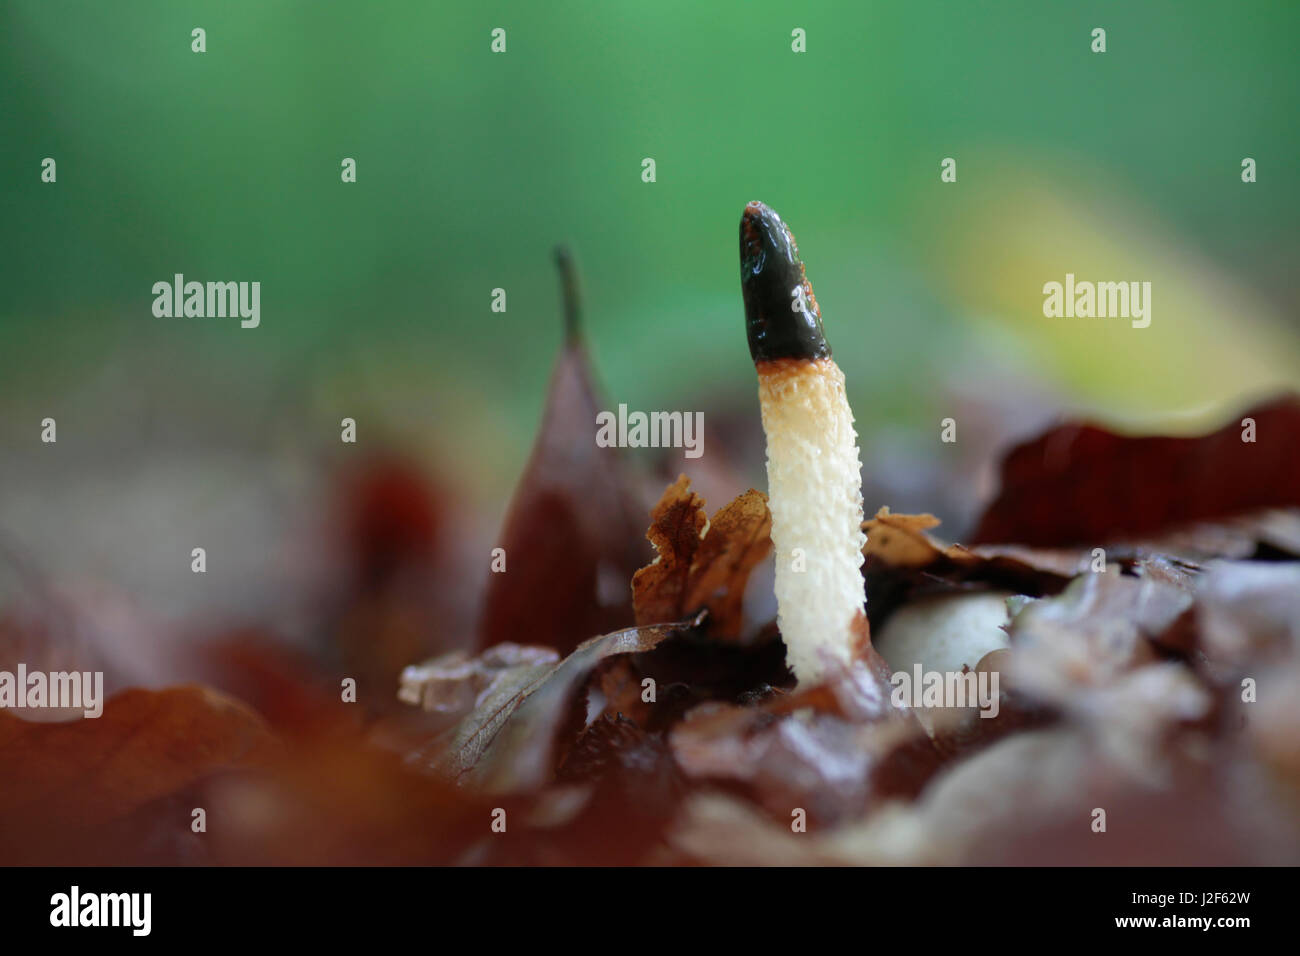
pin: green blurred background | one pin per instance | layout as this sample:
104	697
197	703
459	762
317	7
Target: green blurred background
472	165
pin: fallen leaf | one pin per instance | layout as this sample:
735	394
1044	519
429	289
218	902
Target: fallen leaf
1099	628
1249	612
392	517
737	539
903	563
65	780
677	524
510	742
283	684
456	683
571	536
702	564
833	768
902	541
338	800
1080	484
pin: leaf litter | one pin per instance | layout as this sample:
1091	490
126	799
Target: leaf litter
619	711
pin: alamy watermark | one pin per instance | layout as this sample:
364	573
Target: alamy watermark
70	690
208	300
961	689
651	430
75	908
1100	300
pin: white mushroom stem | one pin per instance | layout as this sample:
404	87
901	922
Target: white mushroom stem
813	467
815	495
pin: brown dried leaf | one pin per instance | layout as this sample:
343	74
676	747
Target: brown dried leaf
901	541
677	524
1100	628
738	538
510	742
284	685
702	564
1080	484
147	745
336	800
903	561
1249	612
480	693
572	535
804	750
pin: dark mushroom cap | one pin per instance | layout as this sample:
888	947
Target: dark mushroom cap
779	325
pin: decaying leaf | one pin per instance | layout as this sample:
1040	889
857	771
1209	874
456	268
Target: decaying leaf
832	767
1101	626
572	535
631	768
508	743
1026	800
701	564
903	561
62	778
1271	533
144	745
456	683
286	686
676	526
479	694
337	799
1082	485
1250	611
391	515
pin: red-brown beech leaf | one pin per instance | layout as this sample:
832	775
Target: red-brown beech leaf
1080	484
572	535
676	525
702	564
81	775
285	685
903	561
902	542
833	748
509	743
392	518
336	799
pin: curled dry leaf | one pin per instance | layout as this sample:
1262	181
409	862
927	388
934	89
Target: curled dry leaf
1019	802
904	562
285	685
456	683
902	542
1080	484
836	748
511	741
392	517
336	799
572	538
1269	534
1250	611
832	767
702	564
1102	626
477	694
147	745
676	527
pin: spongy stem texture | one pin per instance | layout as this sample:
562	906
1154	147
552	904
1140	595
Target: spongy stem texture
815	496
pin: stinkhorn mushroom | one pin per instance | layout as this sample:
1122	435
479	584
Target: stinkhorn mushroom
813	470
